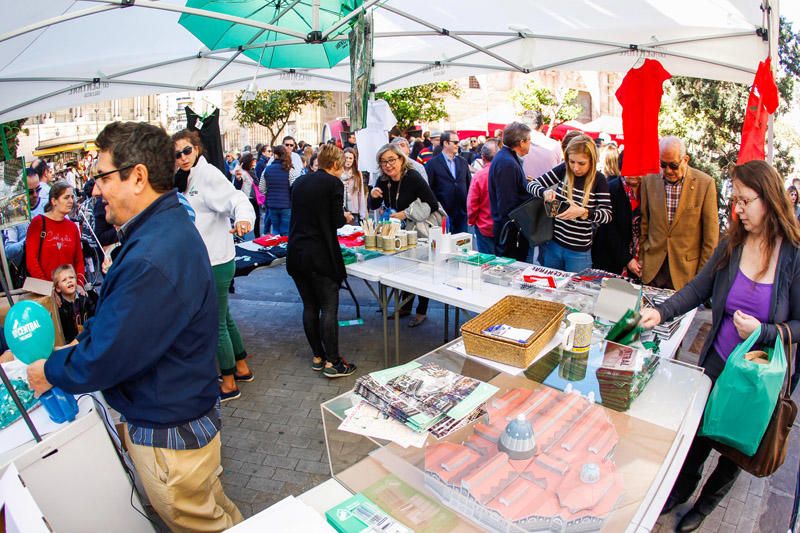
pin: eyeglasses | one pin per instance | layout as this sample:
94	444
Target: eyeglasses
389	162
672	165
451	142
104	174
185	151
289	145
743	202
36	190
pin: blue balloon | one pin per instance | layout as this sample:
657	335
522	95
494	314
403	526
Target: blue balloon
29	331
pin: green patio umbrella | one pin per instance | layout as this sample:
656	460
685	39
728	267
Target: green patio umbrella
301	22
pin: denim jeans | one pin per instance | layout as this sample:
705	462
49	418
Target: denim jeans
280	220
485	245
561	258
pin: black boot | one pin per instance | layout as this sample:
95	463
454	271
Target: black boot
670	504
691	521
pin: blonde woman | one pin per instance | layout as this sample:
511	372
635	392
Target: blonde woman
355	197
582	195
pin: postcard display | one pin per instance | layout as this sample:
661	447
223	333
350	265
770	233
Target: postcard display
537	459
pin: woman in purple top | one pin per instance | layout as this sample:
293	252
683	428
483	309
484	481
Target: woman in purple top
753	279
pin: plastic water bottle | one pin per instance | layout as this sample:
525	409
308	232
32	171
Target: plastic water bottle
61	406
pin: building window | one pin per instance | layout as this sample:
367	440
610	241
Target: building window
585	101
474	83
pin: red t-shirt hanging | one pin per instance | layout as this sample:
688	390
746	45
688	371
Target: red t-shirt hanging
61	246
763	101
640	96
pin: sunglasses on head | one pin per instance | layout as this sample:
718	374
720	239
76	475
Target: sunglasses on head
185	151
671	165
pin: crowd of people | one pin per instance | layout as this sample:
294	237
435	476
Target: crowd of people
156	206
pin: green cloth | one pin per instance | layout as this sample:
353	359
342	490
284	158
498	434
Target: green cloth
230	347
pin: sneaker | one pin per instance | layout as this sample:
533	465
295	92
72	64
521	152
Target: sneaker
316	367
340	370
232	395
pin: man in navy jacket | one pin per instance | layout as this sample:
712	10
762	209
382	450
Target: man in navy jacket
449	177
507	190
151	345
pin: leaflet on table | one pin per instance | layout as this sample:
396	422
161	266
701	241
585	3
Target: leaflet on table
421	395
364	419
504	331
360	515
537	276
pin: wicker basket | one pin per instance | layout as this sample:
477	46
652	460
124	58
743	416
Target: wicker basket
540	316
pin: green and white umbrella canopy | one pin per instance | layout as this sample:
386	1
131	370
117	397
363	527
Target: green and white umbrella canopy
294	22
59	53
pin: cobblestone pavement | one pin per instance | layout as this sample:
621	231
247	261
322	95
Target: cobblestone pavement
273	443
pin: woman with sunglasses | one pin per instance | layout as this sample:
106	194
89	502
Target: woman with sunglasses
582	194
216	201
753	280
398	187
62	242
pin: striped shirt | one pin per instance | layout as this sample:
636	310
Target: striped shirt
575	234
191	435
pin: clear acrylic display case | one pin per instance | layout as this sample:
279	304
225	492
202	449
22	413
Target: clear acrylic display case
395	476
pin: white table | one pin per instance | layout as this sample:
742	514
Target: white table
685	385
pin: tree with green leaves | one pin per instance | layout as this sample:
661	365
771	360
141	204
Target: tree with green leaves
555	108
272	109
10	137
421	103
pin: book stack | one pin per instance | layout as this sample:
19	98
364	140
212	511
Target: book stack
426	397
652	297
623	375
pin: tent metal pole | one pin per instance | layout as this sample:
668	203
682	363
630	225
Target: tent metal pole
55	20
344	20
251	41
454	36
773	28
152	4
447	61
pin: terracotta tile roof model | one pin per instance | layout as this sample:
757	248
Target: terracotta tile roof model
561	477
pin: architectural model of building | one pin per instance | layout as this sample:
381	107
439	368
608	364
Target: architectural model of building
538	461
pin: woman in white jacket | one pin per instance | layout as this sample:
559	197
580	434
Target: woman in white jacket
216	201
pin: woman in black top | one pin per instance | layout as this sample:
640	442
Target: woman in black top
314	259
399	186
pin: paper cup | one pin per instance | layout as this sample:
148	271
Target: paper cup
578	335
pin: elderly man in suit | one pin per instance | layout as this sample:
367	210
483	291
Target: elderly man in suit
680	225
449	177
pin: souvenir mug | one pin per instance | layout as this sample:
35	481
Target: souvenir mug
578	335
411	235
370	242
403	237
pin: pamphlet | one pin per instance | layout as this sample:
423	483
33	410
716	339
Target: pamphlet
364	419
359	514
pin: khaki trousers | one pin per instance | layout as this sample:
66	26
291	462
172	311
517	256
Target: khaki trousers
184	486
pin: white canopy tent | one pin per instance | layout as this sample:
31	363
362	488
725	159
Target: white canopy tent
59	53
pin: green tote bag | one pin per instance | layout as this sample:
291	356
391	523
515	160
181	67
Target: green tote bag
741	403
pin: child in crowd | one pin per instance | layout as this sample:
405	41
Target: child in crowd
74	309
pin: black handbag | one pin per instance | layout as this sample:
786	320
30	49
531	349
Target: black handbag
533	222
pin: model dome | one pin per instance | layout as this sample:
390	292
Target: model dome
517	440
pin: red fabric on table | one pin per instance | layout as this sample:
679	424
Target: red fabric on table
352	241
762	102
640	96
271	240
